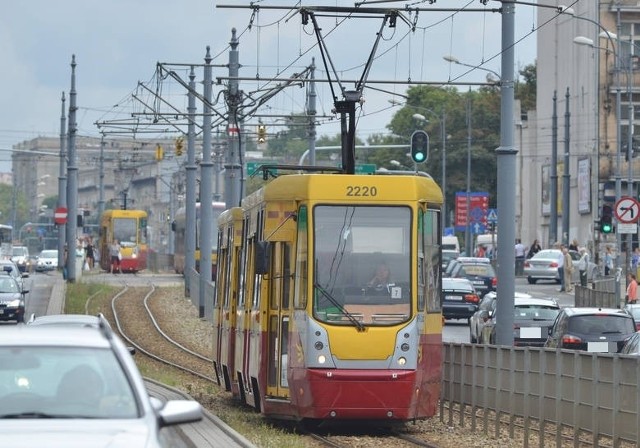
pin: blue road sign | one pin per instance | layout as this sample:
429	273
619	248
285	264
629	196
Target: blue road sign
449	231
476	214
478	228
492	215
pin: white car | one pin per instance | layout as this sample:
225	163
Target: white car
47	261
64	386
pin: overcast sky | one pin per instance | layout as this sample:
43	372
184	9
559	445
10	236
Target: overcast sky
118	43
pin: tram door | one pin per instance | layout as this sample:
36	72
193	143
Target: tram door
279	319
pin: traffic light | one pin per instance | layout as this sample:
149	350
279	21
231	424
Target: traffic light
262	133
179	146
419	146
606	219
159	152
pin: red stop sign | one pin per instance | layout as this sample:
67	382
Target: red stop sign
60	215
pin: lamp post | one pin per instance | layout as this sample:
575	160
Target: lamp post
580	40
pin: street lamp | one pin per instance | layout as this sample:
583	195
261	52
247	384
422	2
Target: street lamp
454	60
618	175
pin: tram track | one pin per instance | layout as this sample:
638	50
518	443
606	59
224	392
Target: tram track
148	338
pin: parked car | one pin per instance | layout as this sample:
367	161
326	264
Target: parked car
12	297
632	346
459	298
47	261
20	256
592	329
544	266
634	310
83	320
485	311
532	319
447	256
78	386
478	271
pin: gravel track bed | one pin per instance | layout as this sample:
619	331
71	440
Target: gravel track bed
141	330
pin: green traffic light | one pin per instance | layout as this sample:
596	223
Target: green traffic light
419	156
606	228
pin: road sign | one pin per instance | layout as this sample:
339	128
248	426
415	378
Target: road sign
627	228
492	215
60	215
627	210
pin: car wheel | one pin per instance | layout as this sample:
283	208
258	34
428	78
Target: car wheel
531	281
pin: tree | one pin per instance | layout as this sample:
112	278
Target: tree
526	91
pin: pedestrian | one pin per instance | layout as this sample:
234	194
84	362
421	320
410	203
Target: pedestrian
534	249
114	252
632	289
520	253
583	265
89	254
574	245
568	271
561	268
480	252
608	261
635	260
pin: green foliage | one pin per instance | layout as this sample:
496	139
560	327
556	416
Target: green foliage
6	206
526	91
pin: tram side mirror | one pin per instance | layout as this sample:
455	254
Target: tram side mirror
263	249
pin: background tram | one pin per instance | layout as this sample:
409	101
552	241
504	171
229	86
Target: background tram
299	331
129	227
179	227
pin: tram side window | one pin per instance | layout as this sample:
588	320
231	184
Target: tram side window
431	267
300	297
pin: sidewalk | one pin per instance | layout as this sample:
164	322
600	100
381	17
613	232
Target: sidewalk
56	301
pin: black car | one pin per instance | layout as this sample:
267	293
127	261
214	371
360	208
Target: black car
532	319
602	330
12	297
480	273
459	298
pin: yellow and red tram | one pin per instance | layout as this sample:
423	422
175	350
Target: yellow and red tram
129	228
309	336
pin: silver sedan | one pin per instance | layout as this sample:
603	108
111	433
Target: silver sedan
544	266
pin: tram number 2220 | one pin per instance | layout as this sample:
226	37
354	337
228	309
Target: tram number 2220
361	191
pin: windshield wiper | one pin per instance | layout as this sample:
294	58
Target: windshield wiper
32	414
353	320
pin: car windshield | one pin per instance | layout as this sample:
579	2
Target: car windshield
480	269
602	324
535	312
8	285
49	254
548	254
19	252
450	284
63	382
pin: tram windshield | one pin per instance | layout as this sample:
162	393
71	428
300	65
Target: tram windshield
362	264
125	230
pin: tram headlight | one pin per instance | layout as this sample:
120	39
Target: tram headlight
322	359
402	361
404	347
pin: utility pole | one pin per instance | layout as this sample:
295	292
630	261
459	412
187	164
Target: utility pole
72	186
190	199
62	183
506	155
566	178
206	195
311	113
553	218
233	171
